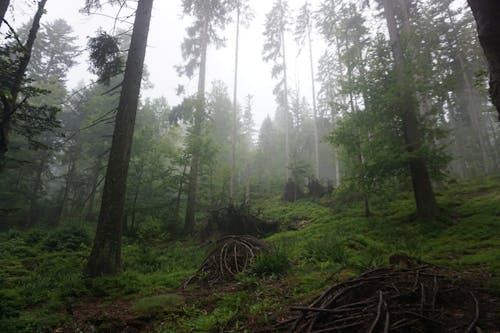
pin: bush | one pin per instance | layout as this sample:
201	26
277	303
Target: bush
68	238
271	262
150	230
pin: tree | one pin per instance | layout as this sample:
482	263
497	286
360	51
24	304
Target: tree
54	52
275	50
210	16
303	32
488	27
10	93
4	5
105	258
422	187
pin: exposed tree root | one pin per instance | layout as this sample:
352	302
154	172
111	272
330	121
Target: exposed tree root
388	300
232	255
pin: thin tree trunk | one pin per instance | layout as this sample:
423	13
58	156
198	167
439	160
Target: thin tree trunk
247	186
235	108
37	186
4	5
422	187
198	118
89	216
488	26
286	110
10	104
105	258
179	194
315	109
64	197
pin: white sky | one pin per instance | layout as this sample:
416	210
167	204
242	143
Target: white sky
166	34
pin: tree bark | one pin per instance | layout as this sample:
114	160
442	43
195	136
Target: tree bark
4	5
315	109
422	187
189	221
235	108
488	27
105	258
10	104
286	107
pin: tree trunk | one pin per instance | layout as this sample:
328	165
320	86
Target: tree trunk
247	185
4	5
235	108
422	187
198	118
286	110
10	104
179	194
315	109
488	26
65	192
105	258
91	198
33	214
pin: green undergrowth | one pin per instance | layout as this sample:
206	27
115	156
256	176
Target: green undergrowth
320	243
41	274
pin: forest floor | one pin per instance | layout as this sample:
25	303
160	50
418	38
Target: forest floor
42	288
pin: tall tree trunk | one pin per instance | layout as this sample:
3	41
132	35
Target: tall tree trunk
247	185
422	187
4	5
286	108
235	108
10	104
315	109
198	118
488	26
105	258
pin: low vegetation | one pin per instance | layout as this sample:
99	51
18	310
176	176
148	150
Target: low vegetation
43	286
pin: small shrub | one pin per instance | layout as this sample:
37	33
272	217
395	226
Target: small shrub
271	262
150	230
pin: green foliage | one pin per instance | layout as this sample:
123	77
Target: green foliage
68	238
105	56
326	248
271	262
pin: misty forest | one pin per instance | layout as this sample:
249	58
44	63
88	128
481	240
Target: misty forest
250	166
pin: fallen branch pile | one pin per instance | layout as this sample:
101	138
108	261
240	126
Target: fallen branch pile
388	300
232	220
232	255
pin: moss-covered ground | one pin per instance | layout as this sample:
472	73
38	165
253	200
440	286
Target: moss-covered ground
42	287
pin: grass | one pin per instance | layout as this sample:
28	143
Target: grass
41	271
